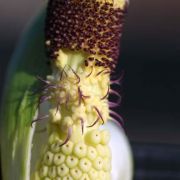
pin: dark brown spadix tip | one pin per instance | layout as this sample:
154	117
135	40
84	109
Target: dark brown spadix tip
91	26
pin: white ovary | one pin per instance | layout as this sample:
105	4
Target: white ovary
122	160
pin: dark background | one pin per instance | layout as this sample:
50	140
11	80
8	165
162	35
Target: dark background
151	59
150	56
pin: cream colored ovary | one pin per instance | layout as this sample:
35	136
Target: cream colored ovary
78	106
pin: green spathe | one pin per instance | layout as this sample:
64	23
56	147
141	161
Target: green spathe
19	104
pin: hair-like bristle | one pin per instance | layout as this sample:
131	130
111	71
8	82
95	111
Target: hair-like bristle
91	26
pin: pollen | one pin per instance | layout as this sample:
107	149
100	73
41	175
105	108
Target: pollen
93	27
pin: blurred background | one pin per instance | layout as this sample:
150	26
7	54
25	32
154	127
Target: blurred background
150	57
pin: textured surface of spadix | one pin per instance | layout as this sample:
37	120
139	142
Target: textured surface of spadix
82	39
78	106
122	165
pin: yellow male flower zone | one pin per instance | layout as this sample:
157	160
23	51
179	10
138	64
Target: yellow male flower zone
82	45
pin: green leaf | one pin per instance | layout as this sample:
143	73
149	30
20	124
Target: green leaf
19	105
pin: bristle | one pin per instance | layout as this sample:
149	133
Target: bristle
106	95
95	122
69	133
39	119
82	125
77	76
113	92
99	114
81	96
